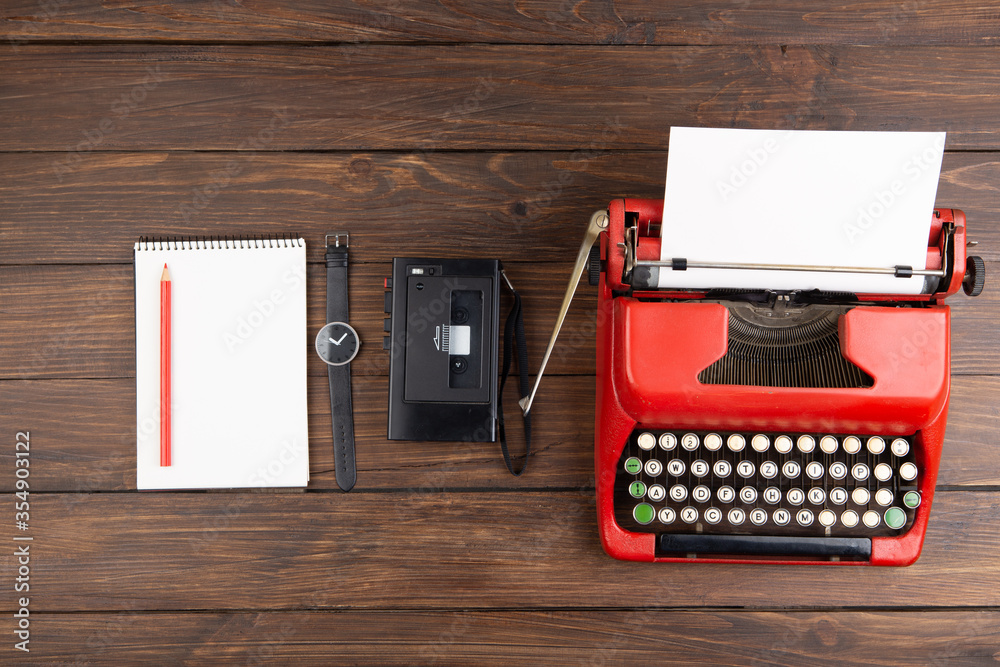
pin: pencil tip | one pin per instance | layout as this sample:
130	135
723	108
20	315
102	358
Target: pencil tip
165	275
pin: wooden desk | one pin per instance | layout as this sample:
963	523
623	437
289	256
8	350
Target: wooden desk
493	131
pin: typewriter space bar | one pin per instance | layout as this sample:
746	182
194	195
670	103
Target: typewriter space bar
753	545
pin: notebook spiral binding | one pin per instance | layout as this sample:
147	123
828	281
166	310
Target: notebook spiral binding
219	242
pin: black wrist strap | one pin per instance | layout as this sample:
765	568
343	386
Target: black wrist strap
514	332
341	413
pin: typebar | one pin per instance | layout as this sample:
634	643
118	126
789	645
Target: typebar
754	545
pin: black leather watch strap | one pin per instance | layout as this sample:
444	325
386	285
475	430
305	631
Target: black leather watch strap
340	376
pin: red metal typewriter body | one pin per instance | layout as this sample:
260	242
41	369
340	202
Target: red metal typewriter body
671	449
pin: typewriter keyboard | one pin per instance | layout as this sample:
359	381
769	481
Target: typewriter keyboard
753	483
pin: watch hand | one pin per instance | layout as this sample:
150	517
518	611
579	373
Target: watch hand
341	340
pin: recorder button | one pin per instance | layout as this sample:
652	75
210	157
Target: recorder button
643	513
900	447
653	467
633	465
388	302
895	518
908	471
656	493
911	499
646	441
637	489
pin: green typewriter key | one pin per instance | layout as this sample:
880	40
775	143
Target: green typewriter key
895	518
633	465
911	499
643	513
637	489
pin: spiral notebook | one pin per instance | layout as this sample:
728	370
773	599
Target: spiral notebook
238	363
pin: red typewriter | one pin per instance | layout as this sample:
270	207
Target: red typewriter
765	426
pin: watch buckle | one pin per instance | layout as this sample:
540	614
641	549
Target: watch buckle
336	240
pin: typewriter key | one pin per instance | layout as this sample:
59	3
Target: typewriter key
838	470
828	444
713	515
852	445
667	515
643	513
814	470
781	517
713	442
795	496
804	517
748	495
827	518
883	471
737	516
860	496
895	518
758	517
791	469
900	447
876	445
676	467
806	443
656	493
838	495
633	465
816	495
911	499
722	468
646	441
783	444
701	493
745	469
678	493
637	489
859	472
736	442
908	471
849	518
689	514
668	441
690	442
699	468
768	469
871	519
725	494
653	467
883	497
760	442
772	495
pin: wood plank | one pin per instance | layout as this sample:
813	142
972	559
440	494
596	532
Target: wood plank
84	435
522	637
479	97
532	205
42	305
620	22
409	551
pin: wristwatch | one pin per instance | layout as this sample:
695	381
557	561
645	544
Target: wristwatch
337	344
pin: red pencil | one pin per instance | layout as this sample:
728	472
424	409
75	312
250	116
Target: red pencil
165	367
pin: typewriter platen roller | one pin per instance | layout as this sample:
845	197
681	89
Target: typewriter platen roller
761	425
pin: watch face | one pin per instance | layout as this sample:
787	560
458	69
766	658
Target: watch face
337	343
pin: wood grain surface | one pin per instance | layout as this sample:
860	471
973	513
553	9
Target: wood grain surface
440	129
